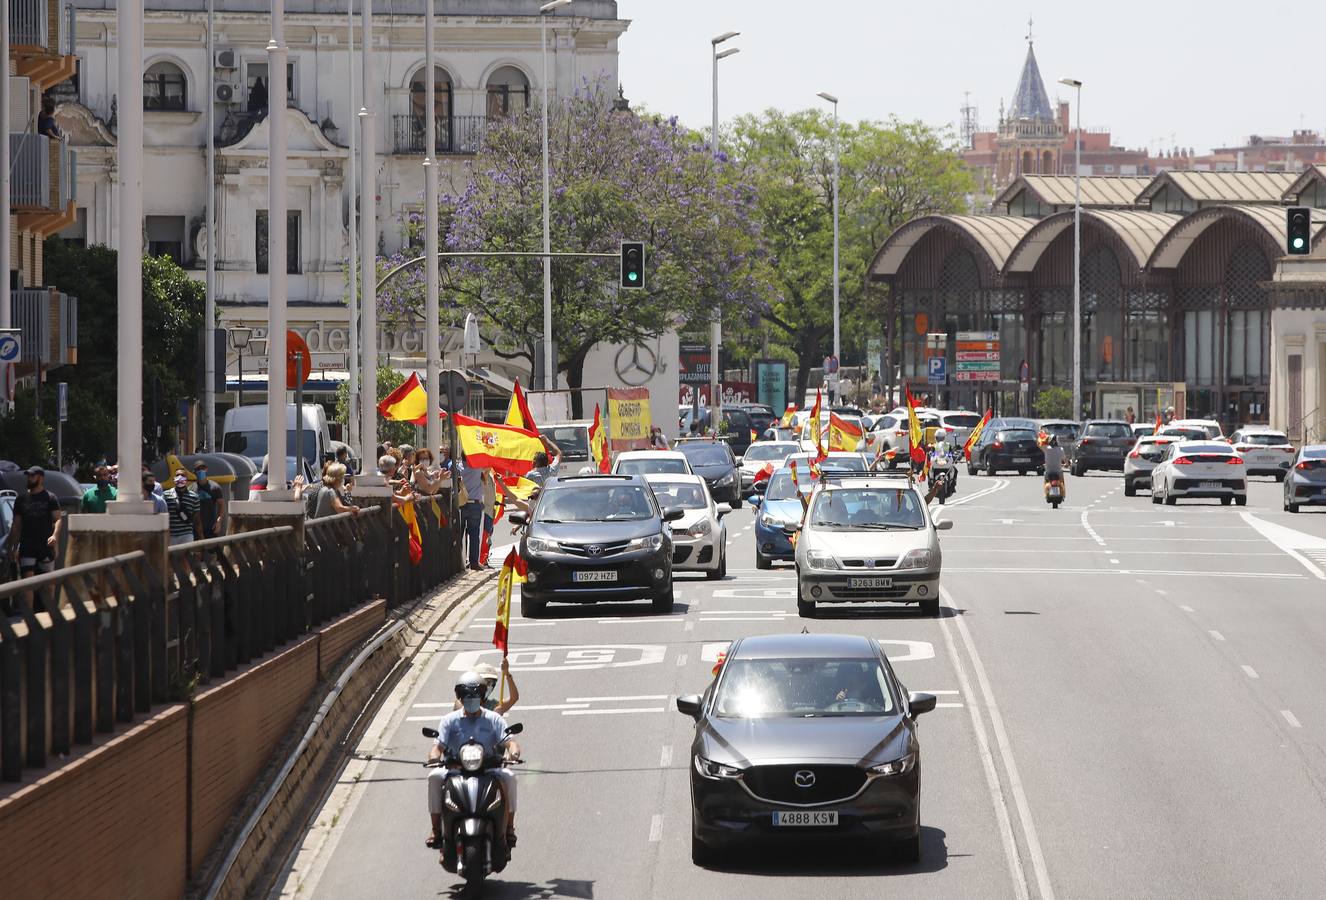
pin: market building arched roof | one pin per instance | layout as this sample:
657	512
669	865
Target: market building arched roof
995	236
1268	220
1136	231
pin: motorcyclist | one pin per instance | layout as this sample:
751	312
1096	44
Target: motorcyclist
1054	462
471	722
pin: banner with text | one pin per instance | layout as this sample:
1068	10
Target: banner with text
628	418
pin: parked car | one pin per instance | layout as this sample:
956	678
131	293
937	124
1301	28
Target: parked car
699	538
1305	483
651	462
1103	444
1193	469
593	538
1146	454
715	463
1005	447
1264	451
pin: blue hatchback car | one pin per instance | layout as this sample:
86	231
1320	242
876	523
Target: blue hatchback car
778	506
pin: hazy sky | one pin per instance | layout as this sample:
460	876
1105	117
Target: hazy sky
1156	73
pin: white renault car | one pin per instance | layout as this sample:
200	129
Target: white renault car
761	454
1264	450
1193	469
699	538
868	539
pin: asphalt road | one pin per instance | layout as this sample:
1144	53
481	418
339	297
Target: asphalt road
1130	695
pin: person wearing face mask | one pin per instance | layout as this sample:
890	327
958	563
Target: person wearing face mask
470	722
37	522
211	501
95	498
152	495
185	523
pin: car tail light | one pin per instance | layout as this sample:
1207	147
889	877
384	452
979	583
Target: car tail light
1307	465
899	433
997	444
1182	461
1287	449
1085	441
1242	448
1234	461
1134	455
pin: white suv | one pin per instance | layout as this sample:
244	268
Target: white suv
1264	451
1200	469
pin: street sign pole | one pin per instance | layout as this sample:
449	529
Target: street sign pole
62	416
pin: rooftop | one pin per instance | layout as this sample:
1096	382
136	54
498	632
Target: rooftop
1030	100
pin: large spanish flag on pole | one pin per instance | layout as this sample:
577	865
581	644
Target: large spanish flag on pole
975	435
789	414
504	448
513	573
408	403
813	421
416	538
843	435
518	413
917	436
598	443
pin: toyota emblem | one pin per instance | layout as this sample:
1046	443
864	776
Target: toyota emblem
805	778
594	550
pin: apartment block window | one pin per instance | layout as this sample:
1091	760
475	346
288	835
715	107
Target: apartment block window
291	237
165	87
508	93
165	237
257	81
76	234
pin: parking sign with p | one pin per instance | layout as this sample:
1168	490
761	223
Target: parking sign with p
937	369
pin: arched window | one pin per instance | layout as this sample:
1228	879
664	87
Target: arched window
1047	163
508	92
419	108
165	87
1027	163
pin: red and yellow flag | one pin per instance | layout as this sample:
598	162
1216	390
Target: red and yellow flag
916	435
408	403
754	435
518	414
796	485
975	434
843	435
788	414
416	538
598	443
504	448
1160	422
765	471
513	573
813	422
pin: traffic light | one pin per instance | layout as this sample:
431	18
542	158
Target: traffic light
1300	230
633	264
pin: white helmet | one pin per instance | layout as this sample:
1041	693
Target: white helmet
471	684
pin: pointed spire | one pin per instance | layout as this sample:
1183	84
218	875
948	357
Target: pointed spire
1030	101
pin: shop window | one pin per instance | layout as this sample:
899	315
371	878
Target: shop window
292	241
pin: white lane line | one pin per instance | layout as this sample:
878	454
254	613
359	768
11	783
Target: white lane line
1091	531
1115	561
1217	635
1291	719
690	626
991	570
615	699
517	625
633	620
613	712
1290	541
997	799
656	828
1186	609
681	659
948	706
1250	671
1038	866
665	758
1164	593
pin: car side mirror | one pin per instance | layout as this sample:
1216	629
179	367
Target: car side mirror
723	509
673	513
738	460
920	702
518	518
690	705
430	732
944	525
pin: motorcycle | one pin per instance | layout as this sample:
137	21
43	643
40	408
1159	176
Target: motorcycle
1054	490
943	475
474	832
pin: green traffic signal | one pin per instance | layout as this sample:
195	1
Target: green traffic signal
1298	224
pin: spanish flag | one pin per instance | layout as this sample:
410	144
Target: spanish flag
416	539
813	423
408	403
513	573
505	448
765	472
916	436
518	413
598	443
843	435
975	435
788	415
796	485
1160	422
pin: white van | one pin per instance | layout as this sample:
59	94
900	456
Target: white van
245	432
572	438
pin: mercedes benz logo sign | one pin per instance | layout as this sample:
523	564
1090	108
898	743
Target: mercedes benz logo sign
594	550
636	364
805	778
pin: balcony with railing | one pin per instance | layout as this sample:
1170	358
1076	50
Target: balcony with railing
43	182
455	134
49	321
41	40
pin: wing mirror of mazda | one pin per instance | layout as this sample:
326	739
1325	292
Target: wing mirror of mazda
919	702
944	525
690	705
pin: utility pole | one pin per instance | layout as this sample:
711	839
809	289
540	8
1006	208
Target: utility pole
209	306
432	336
5	235
352	226
716	328
368	226
276	260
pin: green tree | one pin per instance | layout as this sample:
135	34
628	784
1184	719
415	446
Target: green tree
397	432
889	172
25	437
1054	403
172	322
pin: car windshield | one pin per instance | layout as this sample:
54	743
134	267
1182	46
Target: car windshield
801	688
781	487
763	452
853	463
253	444
643	465
1198	449
1187	434
573	442
685	494
705	453
1016	434
1265	440
962	420
1314	453
868	508
1109	430
1060	429
1139	430
595	503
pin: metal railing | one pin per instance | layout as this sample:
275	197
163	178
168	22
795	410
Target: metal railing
101	643
30	164
27	23
457	134
33	312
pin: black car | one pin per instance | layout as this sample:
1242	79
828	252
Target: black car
1102	445
1007	447
596	537
761	416
715	462
805	736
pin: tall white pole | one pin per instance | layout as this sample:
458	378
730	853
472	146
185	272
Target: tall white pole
209	306
5	301
368	228
352	225
716	327
1077	262
549	363
432	336
837	345
276	258
129	267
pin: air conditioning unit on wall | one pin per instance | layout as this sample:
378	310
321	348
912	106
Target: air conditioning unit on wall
225	93
225	59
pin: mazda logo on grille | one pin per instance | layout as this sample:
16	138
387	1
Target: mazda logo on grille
805	778
594	549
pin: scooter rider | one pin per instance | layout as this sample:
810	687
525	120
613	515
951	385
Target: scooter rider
1054	461
470	722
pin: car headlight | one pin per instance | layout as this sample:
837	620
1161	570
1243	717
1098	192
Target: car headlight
710	769
726	479
900	766
653	542
769	521
818	559
701	527
540	545
471	757
915	559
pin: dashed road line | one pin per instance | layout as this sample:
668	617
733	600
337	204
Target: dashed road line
626	699
1186	609
1291	719
613	712
681	660
656	828
1091	531
665	758
1250	671
1216	635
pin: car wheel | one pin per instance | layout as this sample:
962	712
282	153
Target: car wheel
721	571
971	470
1129	488
662	603
701	855
989	468
1241	501
805	608
930	607
736	504
762	561
1022	472
1155	492
1170	499
908	850
1291	507
1077	470
1279	477
532	606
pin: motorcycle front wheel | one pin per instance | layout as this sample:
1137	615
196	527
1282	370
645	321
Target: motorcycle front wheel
474	872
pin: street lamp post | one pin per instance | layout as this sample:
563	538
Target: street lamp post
549	363
277	251
1077	249
823	95
716	331
368	228
239	338
432	335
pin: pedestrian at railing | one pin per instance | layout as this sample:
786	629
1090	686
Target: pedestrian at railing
330	497
186	524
